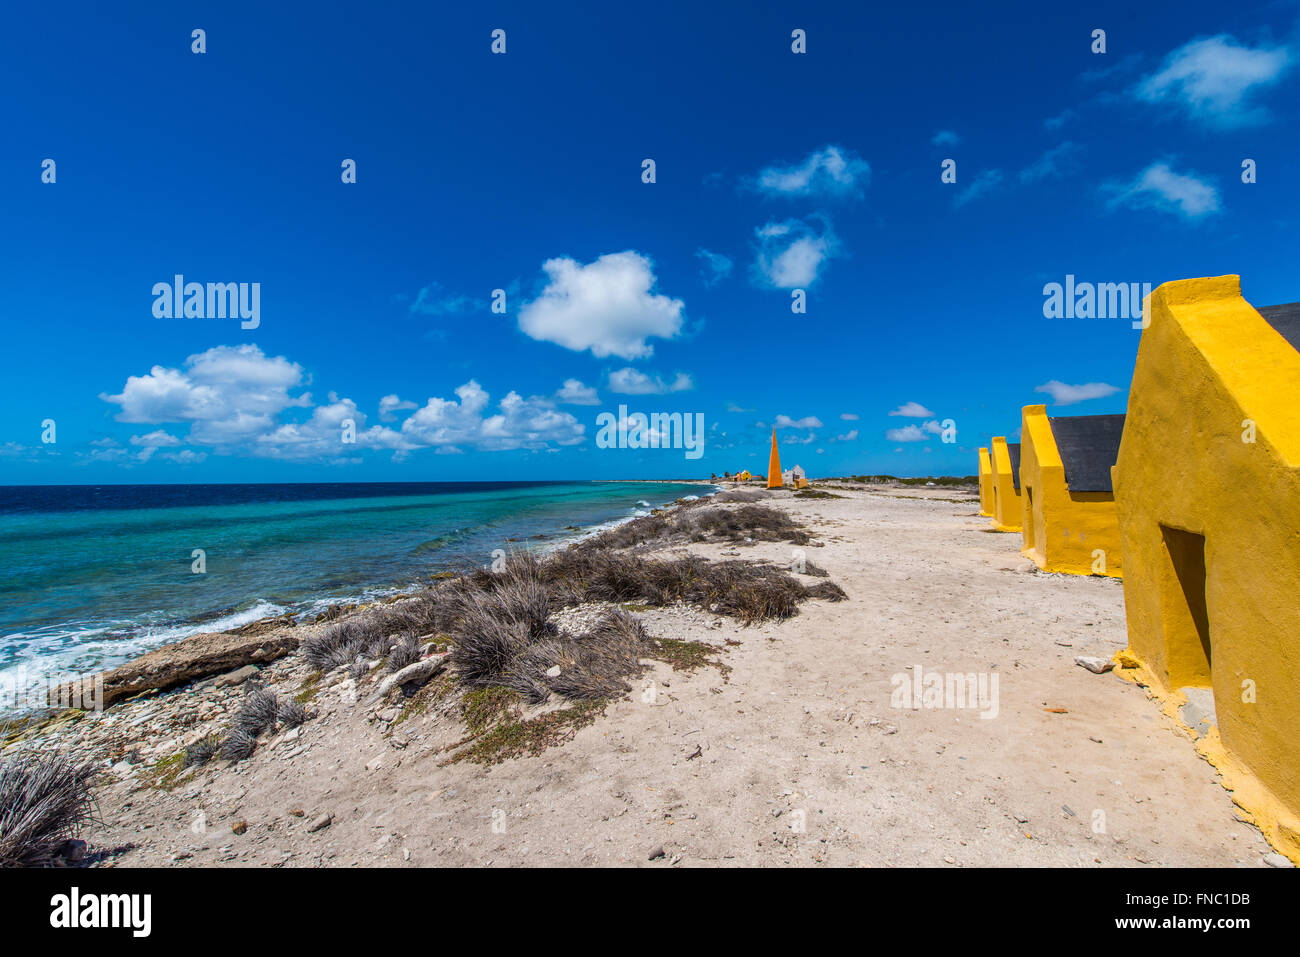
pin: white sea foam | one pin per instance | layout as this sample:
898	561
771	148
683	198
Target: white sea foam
43	657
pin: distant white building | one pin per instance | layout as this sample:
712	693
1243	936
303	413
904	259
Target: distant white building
791	476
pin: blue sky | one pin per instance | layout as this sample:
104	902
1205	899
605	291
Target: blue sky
523	172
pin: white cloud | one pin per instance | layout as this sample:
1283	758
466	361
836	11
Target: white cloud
912	410
1054	123
792	253
849	416
185	456
631	381
908	433
1159	187
807	422
848	436
519	424
1059	161
830	171
1214	79
984	183
945	138
433	301
226	386
152	442
236	401
606	306
155	439
321	436
717	267
1063	394
573	392
391	404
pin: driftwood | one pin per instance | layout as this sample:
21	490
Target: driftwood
422	670
192	658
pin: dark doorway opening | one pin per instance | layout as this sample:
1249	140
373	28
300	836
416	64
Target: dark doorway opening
1187	622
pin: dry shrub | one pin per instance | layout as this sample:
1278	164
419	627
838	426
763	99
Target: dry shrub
258	710
44	800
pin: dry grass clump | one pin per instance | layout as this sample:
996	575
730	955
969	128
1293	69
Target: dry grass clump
370	635
260	711
201	751
700	521
502	637
291	713
740	495
44	800
406	652
756	522
237	745
748	591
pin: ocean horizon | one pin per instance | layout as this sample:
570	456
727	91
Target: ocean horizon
95	575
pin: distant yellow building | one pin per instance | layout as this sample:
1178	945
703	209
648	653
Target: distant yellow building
1068	518
986	483
1208	489
744	476
1004	457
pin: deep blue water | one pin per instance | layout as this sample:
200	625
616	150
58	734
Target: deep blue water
91	576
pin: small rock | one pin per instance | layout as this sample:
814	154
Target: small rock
1096	665
322	822
1277	860
73	851
657	853
239	827
297	812
237	677
553	671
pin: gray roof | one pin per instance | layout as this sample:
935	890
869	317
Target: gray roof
1013	449
1089	446
1286	320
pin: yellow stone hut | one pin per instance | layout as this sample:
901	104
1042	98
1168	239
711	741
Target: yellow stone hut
986	484
1068	521
1208	489
1004	457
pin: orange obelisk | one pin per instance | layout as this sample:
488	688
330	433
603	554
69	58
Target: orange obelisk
774	465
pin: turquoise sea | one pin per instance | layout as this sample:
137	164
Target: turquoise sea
92	576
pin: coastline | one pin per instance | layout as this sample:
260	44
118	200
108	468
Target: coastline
772	743
62	647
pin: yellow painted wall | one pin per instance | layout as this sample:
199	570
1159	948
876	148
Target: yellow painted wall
1006	500
1206	362
1063	530
986	483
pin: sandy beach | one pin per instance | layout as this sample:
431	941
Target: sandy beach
791	748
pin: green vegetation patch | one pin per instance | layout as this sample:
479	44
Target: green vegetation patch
309	688
485	707
518	738
162	774
688	655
